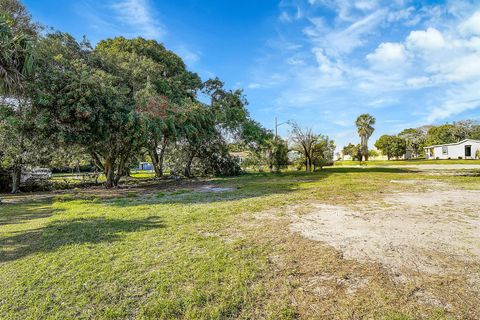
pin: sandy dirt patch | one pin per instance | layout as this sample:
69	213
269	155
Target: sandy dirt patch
214	189
437	166
416	231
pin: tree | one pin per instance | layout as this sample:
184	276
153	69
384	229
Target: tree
397	147
353	151
475	133
446	133
415	140
160	83
80	99
276	153
464	128
373	153
17	40
323	151
304	142
365	129
391	146
21	144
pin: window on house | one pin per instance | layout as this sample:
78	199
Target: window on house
444	150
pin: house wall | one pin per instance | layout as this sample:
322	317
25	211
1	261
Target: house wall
455	151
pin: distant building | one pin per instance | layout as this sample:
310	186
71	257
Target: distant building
240	155
293	155
145	166
465	149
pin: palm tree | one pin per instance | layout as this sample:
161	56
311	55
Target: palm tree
16	56
17	36
365	129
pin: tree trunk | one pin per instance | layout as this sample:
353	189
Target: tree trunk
120	169
16	177
155	161
158	158
109	172
308	165
188	168
161	156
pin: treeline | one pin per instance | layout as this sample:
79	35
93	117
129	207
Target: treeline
122	100
412	141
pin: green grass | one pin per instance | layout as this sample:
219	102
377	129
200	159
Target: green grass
164	255
403	162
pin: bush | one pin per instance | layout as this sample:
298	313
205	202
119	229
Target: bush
211	158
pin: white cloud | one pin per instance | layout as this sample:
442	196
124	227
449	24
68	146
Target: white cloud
432	73
326	66
430	39
190	57
388	53
295	61
285	16
456	101
138	15
365	5
418	82
253	85
345	41
472	25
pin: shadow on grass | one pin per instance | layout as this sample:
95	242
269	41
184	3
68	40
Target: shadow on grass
23	213
249	185
68	232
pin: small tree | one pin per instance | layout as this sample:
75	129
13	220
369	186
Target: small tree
373	153
323	151
391	146
383	144
316	150
415	140
304	141
353	151
276	153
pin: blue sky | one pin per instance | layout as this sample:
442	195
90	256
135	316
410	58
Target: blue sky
319	62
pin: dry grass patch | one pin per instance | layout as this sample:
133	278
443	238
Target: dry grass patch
403	255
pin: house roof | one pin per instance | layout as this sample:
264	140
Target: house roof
240	154
453	144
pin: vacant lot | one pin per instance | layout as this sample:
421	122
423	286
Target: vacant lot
342	243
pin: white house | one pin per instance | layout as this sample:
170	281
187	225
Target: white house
465	149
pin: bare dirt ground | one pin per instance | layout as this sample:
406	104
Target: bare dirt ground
401	230
425	245
425	167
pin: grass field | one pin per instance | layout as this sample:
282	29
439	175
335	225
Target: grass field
404	162
183	250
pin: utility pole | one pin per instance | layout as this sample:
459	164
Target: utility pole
278	125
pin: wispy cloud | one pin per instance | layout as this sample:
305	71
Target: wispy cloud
129	18
139	16
402	61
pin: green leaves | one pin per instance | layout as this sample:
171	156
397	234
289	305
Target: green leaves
16	55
